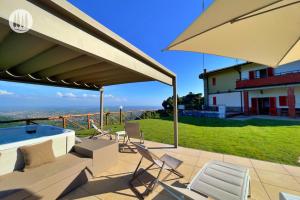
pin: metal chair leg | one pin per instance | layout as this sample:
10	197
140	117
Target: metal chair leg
137	167
142	141
125	142
176	173
137	174
249	192
154	183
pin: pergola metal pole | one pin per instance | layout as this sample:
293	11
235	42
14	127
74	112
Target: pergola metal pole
175	113
101	106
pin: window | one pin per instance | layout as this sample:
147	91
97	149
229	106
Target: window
214	101
257	74
262	73
214	81
283	101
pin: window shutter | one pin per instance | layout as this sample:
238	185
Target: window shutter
283	100
270	71
214	81
251	75
214	101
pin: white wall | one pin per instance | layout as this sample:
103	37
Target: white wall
283	68
232	99
275	92
268	93
245	70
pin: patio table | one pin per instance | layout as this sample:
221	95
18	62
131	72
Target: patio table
118	134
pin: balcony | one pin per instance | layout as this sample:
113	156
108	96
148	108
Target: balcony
277	79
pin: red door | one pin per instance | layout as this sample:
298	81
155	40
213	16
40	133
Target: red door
273	109
254	106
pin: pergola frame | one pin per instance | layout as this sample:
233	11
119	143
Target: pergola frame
67	48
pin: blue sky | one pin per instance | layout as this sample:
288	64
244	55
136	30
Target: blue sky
150	26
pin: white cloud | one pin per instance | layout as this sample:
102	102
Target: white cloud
59	94
114	98
4	92
109	96
90	96
68	95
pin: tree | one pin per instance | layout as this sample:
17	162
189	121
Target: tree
168	104
191	102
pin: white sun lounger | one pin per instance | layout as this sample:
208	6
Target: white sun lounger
217	180
286	196
99	132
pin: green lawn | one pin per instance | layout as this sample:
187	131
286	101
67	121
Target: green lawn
272	140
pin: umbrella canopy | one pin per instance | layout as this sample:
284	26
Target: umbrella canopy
261	31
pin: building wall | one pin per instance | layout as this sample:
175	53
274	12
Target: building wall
205	90
275	92
225	81
232	99
245	70
281	69
297	96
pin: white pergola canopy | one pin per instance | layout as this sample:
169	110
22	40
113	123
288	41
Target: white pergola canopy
261	31
65	47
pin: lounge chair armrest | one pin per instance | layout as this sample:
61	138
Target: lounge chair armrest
181	193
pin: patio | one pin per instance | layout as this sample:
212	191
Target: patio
89	56
267	179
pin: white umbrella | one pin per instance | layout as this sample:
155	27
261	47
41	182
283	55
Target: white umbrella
261	31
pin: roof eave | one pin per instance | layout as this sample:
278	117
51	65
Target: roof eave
202	75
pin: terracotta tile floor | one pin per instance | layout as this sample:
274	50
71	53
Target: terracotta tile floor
267	179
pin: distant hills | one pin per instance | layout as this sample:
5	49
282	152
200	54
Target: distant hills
33	112
5	118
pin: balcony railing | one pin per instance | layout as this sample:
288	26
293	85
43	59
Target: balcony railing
80	121
278	79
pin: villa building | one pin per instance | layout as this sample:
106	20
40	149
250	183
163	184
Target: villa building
254	89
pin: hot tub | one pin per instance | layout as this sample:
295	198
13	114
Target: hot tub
12	138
